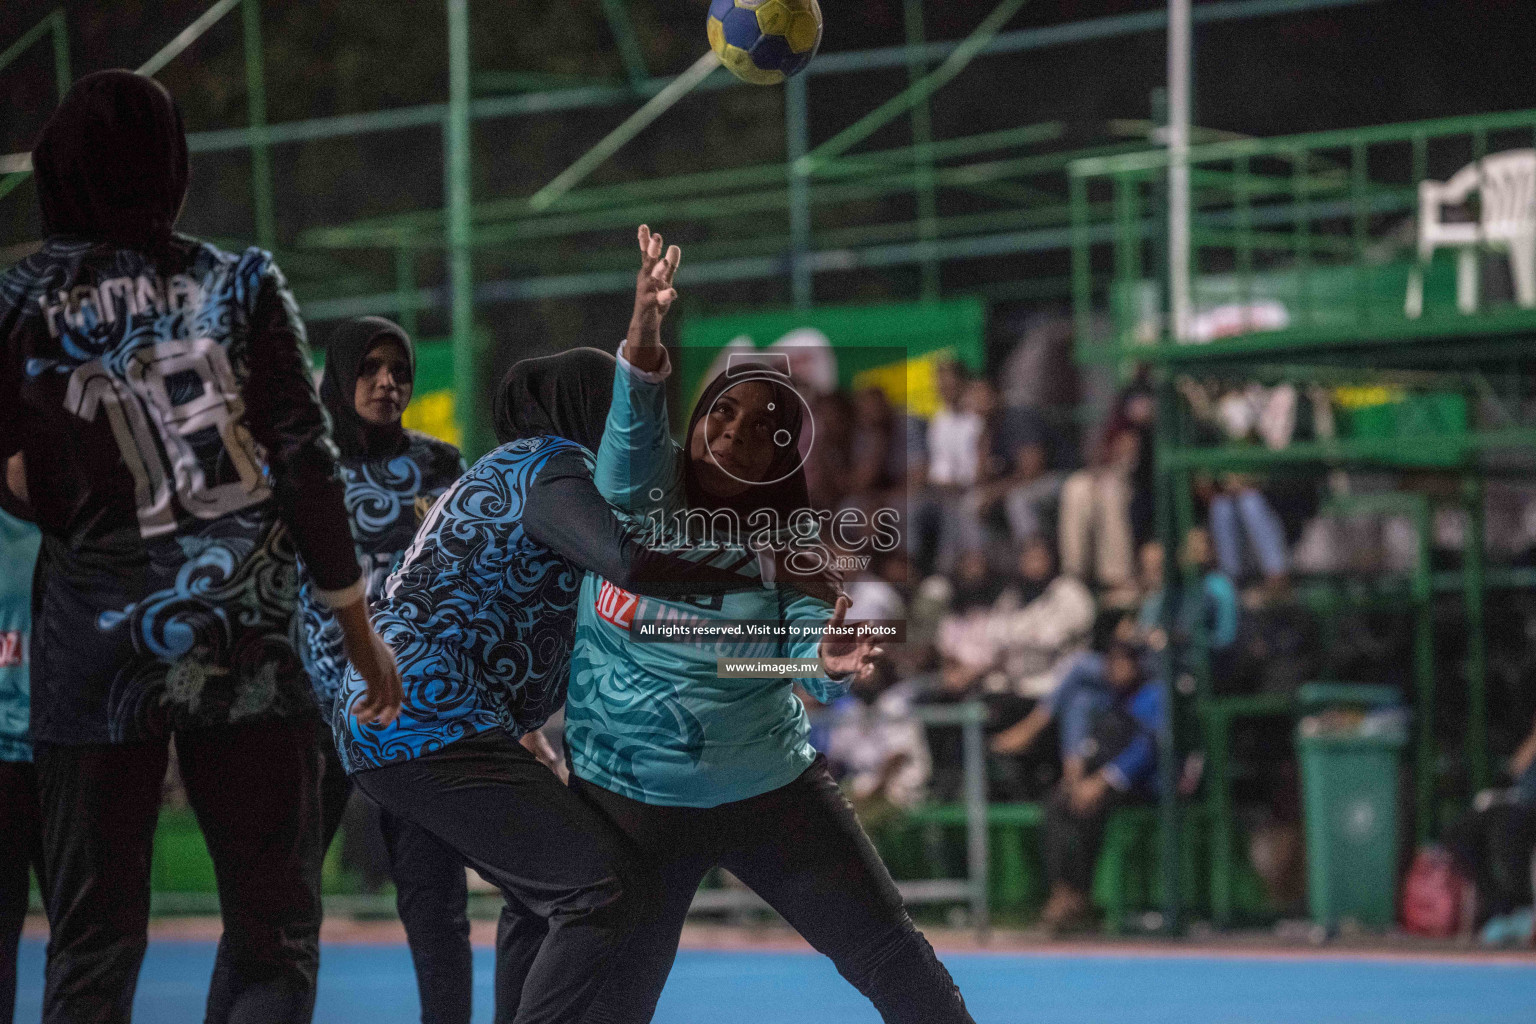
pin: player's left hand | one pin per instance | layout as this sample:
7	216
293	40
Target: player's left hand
537	744
853	657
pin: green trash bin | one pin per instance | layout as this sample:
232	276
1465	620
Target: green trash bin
1349	757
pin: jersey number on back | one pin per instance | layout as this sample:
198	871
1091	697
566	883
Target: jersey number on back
174	395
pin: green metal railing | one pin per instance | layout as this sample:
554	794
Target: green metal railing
815	175
1296	242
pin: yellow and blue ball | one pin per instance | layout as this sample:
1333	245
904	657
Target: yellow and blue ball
764	41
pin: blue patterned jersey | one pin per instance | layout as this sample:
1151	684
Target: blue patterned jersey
169	423
654	721
387	499
18	552
480	616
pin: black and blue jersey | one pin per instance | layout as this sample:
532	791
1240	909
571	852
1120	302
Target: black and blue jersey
387	499
178	461
481	610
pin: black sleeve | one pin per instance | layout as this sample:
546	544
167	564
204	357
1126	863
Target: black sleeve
10	382
564	512
286	418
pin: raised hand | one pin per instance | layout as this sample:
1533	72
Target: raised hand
844	656
654	295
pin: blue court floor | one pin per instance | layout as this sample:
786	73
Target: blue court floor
373	984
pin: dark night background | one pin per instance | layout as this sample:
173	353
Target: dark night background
1391	61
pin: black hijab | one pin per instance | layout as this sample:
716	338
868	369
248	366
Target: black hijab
566	395
345	351
111	162
785	493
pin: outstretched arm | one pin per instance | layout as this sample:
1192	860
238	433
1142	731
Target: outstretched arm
565	513
637	457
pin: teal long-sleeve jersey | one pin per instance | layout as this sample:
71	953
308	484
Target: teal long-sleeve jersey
652	720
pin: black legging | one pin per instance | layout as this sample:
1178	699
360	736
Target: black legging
801	849
1073	840
431	896
21	853
254	787
575	898
1493	847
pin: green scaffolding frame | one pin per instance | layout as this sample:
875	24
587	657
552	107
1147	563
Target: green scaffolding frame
996	164
810	174
1310	203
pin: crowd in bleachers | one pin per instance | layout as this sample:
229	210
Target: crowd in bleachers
1033	581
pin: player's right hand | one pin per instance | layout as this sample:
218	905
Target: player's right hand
375	662
654	295
844	657
380	703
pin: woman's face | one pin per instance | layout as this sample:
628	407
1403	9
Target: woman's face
383	384
733	444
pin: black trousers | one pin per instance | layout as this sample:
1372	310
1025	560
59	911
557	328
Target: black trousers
1073	840
1495	849
21	852
431	897
573	899
254	789
801	849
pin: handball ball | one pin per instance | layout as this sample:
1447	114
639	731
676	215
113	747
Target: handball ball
764	41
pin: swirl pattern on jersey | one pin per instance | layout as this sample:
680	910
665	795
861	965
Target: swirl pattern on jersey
613	721
481	617
386	500
221	639
170	596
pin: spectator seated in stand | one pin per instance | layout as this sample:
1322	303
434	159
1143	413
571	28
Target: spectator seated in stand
1494	847
1016	481
828	476
878	453
1247	532
1110	716
1096	535
966	648
1017	647
1208	610
950	467
877	748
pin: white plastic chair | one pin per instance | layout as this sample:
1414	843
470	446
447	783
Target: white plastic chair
1507	185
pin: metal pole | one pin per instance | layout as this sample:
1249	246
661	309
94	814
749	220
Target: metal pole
978	865
61	74
405	287
186	37
653	108
256	105
629	46
1178	165
968	50
922	139
466	377
1477	681
796	141
1424	760
1168	436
